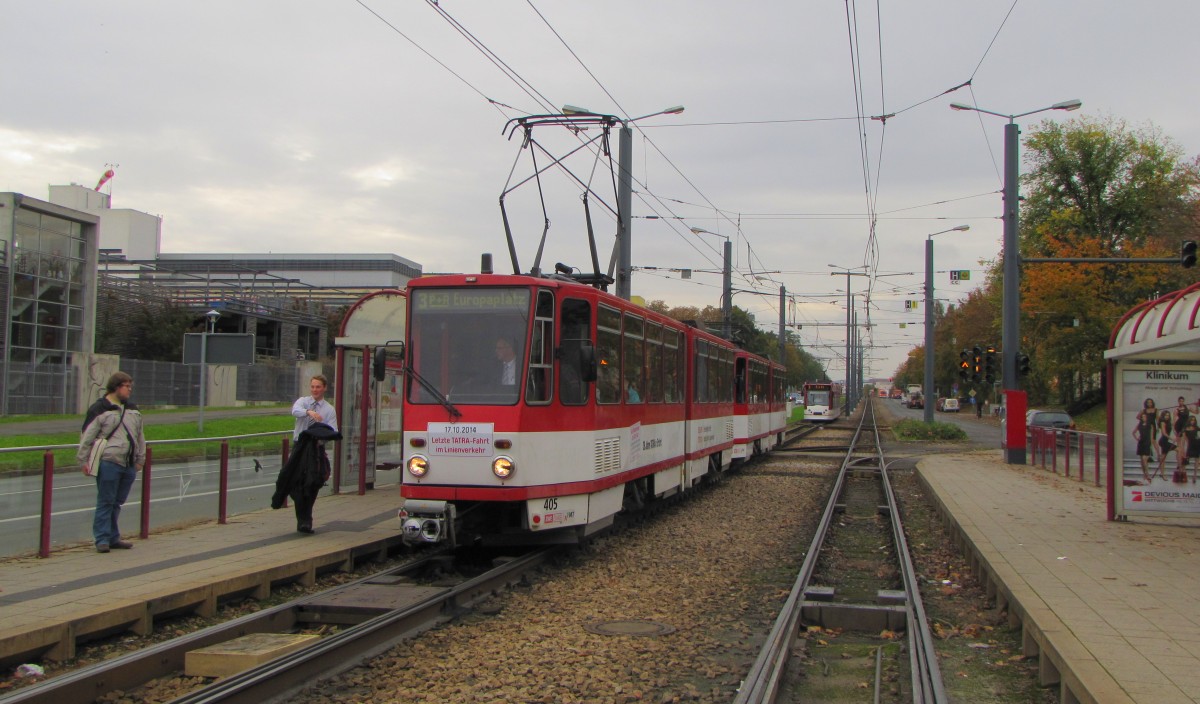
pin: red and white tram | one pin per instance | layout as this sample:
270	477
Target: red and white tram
822	401
538	408
760	405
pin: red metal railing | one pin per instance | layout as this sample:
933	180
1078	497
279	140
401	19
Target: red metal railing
1045	442
47	483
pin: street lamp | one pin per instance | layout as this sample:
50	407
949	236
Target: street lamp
726	283
850	394
1010	314
212	316
930	396
624	194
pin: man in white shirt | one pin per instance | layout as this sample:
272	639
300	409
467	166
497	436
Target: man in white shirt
508	362
310	410
313	409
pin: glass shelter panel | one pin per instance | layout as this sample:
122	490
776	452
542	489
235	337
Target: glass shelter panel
354	426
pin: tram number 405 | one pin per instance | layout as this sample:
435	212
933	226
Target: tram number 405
550	505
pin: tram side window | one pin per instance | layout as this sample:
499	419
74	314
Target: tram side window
672	365
654	362
541	351
608	355
576	334
634	359
716	374
758	382
739	383
700	385
727	357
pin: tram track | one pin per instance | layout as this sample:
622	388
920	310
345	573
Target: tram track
851	586
367	615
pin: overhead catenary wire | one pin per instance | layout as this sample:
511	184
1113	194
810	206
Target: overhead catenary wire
497	104
659	205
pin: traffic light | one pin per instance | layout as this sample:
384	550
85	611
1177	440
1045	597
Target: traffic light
989	364
964	365
976	363
1022	364
1187	254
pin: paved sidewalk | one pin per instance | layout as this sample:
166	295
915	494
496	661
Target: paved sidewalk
1111	609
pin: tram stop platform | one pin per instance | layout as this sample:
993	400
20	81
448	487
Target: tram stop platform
1110	609
48	606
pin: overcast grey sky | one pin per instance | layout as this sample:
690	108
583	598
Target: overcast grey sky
308	126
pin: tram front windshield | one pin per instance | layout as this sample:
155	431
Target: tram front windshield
818	398
468	343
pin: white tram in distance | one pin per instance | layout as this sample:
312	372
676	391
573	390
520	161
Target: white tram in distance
822	402
538	408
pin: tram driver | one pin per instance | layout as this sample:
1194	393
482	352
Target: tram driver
508	374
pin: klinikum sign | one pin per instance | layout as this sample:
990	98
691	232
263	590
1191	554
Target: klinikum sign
1158	461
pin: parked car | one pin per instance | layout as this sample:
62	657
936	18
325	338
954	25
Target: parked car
916	400
947	405
1049	420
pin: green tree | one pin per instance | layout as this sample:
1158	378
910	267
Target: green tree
1095	188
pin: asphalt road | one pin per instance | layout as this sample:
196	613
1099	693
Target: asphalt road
981	432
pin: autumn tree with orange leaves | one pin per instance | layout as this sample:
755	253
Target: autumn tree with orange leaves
1092	188
1095	188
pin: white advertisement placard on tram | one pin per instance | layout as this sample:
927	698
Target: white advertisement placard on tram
1157	441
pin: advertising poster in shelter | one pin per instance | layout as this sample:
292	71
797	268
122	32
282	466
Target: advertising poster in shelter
1158	442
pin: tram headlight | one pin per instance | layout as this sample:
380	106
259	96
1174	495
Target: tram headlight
503	467
418	466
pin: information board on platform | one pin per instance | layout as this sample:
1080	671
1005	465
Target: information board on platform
1156	441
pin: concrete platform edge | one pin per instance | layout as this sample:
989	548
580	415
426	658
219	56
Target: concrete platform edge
1063	661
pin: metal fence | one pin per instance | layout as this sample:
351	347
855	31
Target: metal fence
164	383
36	388
178	384
214	477
270	381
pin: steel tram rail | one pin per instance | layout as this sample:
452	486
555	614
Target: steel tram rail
763	682
277	677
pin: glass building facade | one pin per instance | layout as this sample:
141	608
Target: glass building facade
48	299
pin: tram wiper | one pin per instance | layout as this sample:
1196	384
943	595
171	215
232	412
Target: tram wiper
433	391
379	369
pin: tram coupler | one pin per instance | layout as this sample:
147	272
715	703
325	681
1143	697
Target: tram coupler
423	521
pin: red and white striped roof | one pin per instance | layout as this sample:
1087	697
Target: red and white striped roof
1167	328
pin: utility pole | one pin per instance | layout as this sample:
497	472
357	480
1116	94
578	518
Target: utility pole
930	396
782	322
1011	298
625	211
1010	315
727	293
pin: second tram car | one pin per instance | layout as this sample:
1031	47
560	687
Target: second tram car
760	405
821	402
538	408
